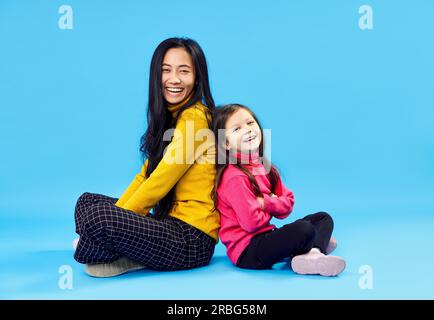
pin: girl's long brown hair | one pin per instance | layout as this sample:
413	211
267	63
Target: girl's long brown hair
220	117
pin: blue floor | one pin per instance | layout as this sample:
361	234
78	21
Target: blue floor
396	245
350	109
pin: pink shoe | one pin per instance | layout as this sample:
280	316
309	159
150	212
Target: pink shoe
317	263
331	246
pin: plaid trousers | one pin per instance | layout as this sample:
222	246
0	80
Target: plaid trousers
108	232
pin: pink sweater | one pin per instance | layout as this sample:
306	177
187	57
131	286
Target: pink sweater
241	217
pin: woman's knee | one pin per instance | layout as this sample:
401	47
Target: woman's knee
81	206
94	219
84	198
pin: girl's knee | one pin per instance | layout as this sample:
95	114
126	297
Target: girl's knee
304	236
306	231
326	217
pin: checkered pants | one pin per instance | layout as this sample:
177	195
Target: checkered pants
108	232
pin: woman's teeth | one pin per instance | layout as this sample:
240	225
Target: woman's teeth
175	90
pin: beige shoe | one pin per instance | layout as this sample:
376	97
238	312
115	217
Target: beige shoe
115	268
318	263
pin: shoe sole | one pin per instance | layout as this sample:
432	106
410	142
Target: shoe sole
109	274
325	265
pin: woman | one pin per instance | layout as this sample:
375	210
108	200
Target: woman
176	180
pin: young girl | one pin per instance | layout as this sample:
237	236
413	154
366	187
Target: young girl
247	197
119	235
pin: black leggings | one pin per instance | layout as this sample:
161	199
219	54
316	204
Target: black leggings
266	249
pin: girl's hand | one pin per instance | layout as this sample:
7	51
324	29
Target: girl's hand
273	195
261	202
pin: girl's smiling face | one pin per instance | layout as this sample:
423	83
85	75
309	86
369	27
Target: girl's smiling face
177	75
242	132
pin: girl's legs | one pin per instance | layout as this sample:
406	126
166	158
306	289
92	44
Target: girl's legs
323	224
291	240
268	248
315	261
108	233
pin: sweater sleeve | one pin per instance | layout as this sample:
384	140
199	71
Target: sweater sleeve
241	198
179	156
282	205
134	185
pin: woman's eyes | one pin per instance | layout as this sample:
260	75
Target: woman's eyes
181	71
236	129
251	122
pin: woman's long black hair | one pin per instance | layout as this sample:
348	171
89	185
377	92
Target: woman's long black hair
159	117
221	115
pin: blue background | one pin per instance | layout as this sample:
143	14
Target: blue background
351	113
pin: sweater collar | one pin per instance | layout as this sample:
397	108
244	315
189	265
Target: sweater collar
174	108
251	158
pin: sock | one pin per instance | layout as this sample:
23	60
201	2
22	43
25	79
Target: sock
315	250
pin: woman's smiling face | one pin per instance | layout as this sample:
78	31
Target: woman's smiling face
178	75
242	132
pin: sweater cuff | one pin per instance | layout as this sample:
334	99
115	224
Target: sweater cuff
268	203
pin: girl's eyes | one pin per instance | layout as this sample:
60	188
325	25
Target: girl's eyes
249	123
166	70
184	71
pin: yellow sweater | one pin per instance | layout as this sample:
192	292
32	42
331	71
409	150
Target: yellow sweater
188	164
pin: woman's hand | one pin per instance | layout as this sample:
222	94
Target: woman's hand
273	195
